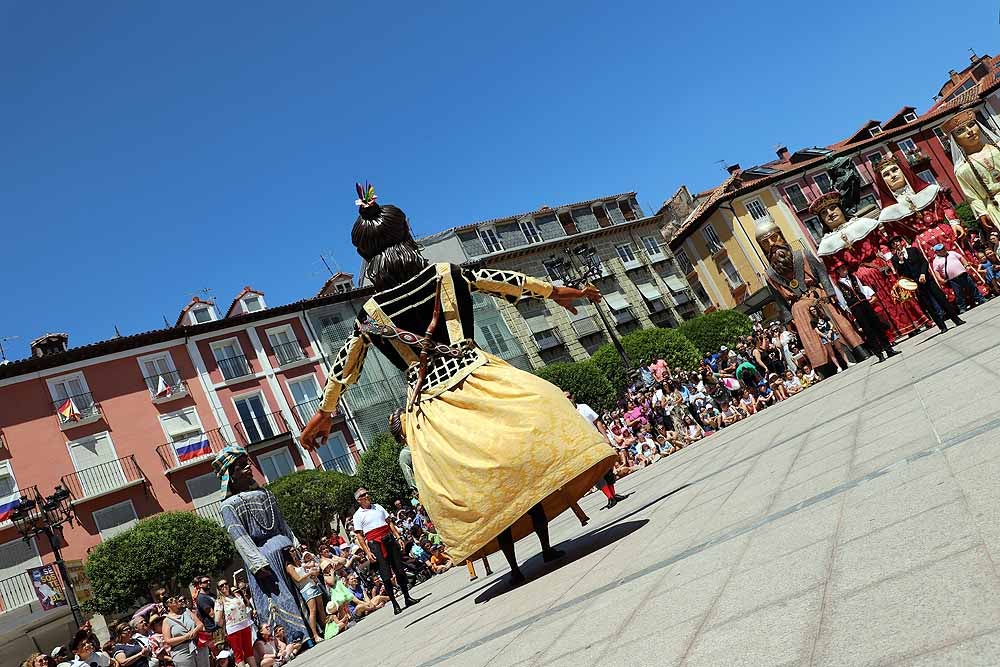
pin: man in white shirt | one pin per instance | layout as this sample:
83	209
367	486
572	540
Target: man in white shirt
608	488
379	539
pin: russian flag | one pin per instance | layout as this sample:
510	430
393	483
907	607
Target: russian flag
192	450
7	508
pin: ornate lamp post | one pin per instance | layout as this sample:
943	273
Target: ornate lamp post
578	275
38	516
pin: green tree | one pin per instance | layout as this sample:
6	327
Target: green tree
168	549
967	216
380	473
710	331
643	347
312	499
584	380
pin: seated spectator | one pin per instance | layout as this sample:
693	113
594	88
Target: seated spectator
802	379
288	647
810	375
730	415
265	649
440	560
792	384
748	402
710	417
765	395
778	386
692	432
37	660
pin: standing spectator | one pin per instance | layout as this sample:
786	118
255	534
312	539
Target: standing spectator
127	651
180	631
991	271
231	614
305	574
205	607
950	266
911	263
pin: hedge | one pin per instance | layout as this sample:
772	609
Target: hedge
710	331
584	380
311	499
643	347
379	471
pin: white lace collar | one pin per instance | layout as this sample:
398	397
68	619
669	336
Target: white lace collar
849	233
909	203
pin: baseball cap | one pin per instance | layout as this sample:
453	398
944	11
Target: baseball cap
223	654
939	247
723	348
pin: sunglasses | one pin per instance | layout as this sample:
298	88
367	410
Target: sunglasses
362	495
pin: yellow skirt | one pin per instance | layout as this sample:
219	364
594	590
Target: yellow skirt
489	449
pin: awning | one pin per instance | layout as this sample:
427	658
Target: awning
675	284
583	312
616	301
681	298
650	291
538	324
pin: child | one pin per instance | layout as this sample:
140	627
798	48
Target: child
990	269
765	395
810	375
780	393
792	384
748	403
829	337
802	379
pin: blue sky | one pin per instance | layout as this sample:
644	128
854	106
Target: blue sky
155	149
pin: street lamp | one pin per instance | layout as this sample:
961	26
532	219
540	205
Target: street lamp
38	516
578	276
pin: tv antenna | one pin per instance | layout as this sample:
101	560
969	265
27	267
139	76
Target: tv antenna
722	164
3	353
207	291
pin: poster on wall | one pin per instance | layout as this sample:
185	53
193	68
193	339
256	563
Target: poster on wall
79	581
47	586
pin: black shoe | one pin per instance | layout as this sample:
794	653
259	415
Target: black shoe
411	601
943	328
552	554
611	502
958	321
881	358
396	609
619	497
892	353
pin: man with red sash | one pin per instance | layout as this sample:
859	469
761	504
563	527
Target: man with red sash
380	541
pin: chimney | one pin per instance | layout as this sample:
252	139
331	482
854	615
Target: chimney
49	344
734	169
783	153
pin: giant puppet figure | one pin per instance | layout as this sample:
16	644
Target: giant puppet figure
496	451
976	158
799	280
859	244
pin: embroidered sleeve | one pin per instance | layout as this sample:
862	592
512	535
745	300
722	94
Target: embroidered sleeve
346	369
510	285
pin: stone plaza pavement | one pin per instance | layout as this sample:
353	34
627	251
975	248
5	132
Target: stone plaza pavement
857	523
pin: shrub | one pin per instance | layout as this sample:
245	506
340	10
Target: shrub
710	331
642	347
584	380
169	549
312	499
967	216
380	473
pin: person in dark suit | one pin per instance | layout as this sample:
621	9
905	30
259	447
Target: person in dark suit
911	263
856	295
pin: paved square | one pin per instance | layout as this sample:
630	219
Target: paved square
857	523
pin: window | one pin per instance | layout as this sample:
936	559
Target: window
229	356
875	131
756	209
796	197
306	396
874	158
496	342
252	303
530	232
823	182
943	138
285	345
625	252
276	464
491	242
17	556
185	434
9	493
732	275
907	145
626	208
96	463
928	176
204	490
115	519
700	292
652	245
162	379
72	399
683	261
257	426
552	271
909	117
201	315
333	454
868	200
711	239
961	89
815	228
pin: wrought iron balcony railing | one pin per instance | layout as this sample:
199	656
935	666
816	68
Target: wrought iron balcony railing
103	478
77	409
306	409
165	386
261	428
345	464
289	353
234	367
212	511
191	449
15	592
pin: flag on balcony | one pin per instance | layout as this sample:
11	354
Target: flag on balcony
8	506
163	390
69	412
192	450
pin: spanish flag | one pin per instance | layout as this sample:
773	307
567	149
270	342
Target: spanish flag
68	411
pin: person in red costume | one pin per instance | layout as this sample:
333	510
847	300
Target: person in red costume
917	210
859	244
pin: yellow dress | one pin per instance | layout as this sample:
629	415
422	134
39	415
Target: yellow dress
488	440
983	202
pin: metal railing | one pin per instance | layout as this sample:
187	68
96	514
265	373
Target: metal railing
548	340
15	592
212	442
288	353
103	478
212	511
172	385
234	367
381	391
346	464
261	428
306	409
76	408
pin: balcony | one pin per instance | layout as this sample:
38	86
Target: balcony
11	505
288	353
77	410
165	387
191	450
212	511
306	409
234	368
15	592
263	428
103	479
631	264
547	340
345	464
